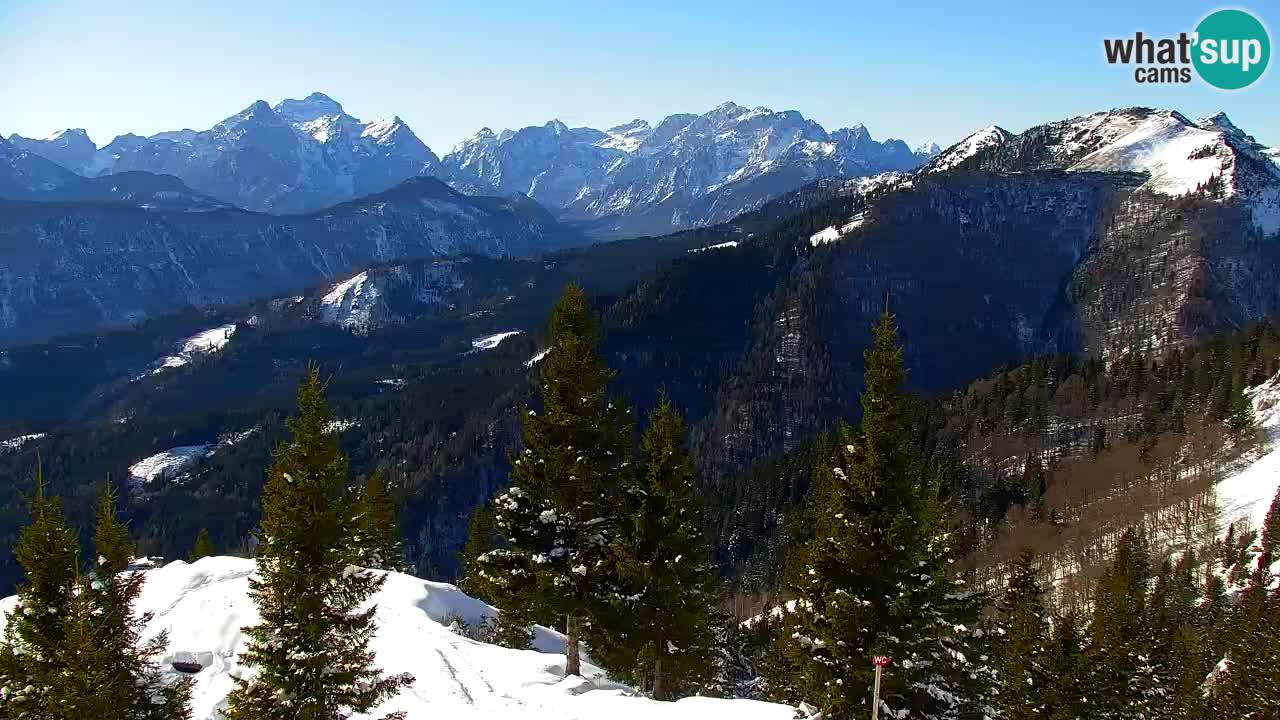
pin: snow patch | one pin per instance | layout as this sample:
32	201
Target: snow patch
350	303
1246	496
205	605
205	342
717	246
536	358
489	342
167	464
15	443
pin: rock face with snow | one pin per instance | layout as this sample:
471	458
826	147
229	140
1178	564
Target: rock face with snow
689	170
297	156
69	268
1209	157
205	605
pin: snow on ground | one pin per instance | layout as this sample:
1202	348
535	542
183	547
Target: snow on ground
824	236
832	234
489	342
341	425
166	464
204	606
717	246
1247	495
16	443
536	358
350	303
205	342
968	147
1178	155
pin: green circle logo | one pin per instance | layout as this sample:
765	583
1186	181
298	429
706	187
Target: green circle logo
1232	49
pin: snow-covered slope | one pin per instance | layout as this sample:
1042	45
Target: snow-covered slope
205	342
983	139
1210	156
166	464
489	342
204	606
1246	496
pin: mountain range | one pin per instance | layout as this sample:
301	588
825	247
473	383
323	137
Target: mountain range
1133	230
303	155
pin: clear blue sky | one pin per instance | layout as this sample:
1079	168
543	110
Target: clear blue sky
919	71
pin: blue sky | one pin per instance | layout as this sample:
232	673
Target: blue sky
919	71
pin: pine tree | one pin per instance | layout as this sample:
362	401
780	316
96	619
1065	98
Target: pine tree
311	648
873	580
203	547
378	524
667	593
1067	696
1022	654
33	661
513	626
130	684
1127	680
556	519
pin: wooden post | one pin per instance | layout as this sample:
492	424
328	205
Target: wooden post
879	661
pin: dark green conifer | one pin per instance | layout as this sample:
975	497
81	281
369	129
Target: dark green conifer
311	649
556	520
203	547
1022	654
129	683
667	595
33	661
873	580
378	525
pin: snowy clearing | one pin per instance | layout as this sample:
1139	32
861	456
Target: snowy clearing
204	605
166	464
205	342
536	358
350	303
15	443
717	246
489	342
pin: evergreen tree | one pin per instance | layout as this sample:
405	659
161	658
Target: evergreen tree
556	520
873	579
1067	696
33	661
667	594
378	525
203	547
311	648
1022	653
1127	680
513	626
129	684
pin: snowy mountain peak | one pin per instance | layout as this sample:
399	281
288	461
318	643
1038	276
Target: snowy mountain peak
313	106
70	135
987	137
928	149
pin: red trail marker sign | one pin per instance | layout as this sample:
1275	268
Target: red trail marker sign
880	662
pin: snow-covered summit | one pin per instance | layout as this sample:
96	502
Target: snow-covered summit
983	139
205	605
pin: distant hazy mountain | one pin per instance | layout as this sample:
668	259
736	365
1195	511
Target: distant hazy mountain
300	155
688	170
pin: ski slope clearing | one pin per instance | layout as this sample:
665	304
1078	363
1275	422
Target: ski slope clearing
205	604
